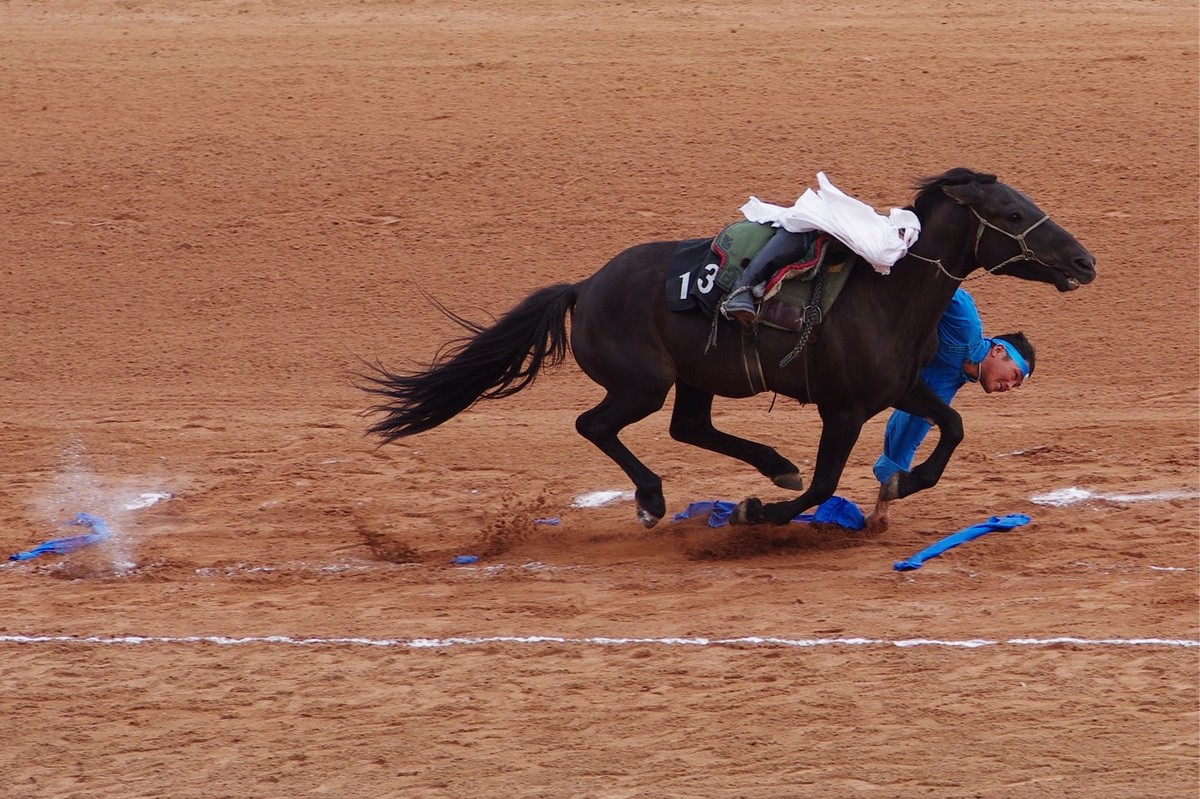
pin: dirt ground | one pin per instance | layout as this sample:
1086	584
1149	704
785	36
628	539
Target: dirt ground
213	210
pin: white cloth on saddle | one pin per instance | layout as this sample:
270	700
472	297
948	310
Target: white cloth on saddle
881	240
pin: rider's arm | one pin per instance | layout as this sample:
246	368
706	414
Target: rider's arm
960	333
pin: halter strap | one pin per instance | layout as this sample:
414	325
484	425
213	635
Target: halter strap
1026	253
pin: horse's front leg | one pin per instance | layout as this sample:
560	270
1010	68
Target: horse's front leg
839	433
923	402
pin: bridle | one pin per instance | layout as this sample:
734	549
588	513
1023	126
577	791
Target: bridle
1026	254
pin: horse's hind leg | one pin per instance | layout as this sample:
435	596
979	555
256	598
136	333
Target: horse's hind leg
601	425
691	423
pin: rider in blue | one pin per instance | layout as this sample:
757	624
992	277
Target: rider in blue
964	355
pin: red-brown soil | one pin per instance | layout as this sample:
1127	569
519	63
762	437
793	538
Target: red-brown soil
213	210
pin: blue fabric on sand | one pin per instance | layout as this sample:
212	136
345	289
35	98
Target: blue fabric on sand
718	511
974	531
61	546
834	510
960	338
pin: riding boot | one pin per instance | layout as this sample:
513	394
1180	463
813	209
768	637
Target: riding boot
780	250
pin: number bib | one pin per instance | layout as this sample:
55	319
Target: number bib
692	274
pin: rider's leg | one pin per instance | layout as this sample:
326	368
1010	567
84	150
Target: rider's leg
780	250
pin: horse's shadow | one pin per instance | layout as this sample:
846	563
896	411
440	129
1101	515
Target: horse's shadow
742	542
514	526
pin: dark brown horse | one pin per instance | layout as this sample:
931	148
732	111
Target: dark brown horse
866	359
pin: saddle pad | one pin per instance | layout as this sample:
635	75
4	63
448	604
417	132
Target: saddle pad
701	273
691	274
785	310
735	246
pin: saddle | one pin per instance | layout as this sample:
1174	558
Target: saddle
704	270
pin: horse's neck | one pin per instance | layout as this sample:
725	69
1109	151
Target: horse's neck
928	276
948	239
926	291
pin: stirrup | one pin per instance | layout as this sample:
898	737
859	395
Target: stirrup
746	313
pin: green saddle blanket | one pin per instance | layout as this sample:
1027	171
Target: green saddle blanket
789	291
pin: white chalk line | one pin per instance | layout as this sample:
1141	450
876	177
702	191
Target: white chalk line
1062	497
445	643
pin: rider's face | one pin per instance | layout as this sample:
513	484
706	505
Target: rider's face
998	372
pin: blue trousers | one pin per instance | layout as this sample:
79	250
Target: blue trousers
905	432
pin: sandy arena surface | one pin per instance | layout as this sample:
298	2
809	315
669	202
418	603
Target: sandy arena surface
213	210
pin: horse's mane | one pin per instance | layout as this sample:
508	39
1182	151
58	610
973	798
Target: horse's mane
928	188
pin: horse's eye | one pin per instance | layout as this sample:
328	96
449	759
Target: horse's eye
1015	216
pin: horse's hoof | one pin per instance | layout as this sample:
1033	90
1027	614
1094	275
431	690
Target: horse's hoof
647	518
791	482
748	511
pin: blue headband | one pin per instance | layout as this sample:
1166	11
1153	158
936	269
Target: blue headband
1016	356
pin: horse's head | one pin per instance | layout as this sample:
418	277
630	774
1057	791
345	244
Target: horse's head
1012	235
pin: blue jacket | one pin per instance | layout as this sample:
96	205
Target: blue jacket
960	338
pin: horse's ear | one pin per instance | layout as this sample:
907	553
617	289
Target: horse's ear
963	193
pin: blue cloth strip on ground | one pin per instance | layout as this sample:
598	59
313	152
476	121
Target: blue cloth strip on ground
61	546
974	531
834	510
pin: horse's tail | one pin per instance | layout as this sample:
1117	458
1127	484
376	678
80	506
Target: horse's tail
488	363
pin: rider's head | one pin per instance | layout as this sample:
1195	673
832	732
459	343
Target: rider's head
1009	361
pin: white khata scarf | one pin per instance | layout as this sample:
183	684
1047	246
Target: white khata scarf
881	240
